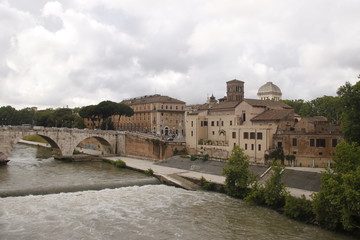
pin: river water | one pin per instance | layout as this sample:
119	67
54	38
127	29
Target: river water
143	210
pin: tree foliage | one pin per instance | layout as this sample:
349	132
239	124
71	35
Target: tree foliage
103	112
327	106
337	204
271	193
350	118
238	176
11	116
298	208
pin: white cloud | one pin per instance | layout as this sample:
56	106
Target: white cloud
77	52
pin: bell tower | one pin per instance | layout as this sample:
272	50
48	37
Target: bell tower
235	91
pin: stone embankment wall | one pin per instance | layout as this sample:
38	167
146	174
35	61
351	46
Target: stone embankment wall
151	148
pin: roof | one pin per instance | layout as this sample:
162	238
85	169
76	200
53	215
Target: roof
315	119
267	104
157	98
269	88
219	106
273	115
234	80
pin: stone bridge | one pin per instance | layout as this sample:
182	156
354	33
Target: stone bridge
63	141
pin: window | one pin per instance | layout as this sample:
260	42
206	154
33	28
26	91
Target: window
252	135
212	123
222	123
202	123
246	135
279	144
205	123
213	132
259	147
230	123
334	142
245	146
259	135
217	123
320	142
244	117
233	134
192	123
252	146
294	142
192	133
312	142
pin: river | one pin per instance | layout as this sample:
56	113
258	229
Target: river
133	207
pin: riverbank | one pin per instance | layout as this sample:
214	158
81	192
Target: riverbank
185	170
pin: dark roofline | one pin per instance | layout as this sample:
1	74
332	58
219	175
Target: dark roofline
234	80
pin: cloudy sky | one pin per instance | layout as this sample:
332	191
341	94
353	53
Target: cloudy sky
80	52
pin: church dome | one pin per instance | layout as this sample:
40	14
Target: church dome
269	91
269	88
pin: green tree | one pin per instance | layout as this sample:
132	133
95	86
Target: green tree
350	118
271	193
327	106
274	189
298	208
277	154
104	111
45	118
238	176
336	205
295	104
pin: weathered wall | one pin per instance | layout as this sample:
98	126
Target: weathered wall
151	149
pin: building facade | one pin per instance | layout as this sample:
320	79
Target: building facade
311	140
216	127
258	127
157	114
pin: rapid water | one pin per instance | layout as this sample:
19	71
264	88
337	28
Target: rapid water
138	212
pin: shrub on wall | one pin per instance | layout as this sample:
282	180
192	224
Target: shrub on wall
149	172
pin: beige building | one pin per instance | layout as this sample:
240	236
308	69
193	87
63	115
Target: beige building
215	128
156	114
259	127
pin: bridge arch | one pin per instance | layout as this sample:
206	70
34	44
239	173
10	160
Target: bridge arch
103	146
57	151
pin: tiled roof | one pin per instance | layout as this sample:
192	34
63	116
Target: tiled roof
316	119
267	103
218	106
152	99
273	114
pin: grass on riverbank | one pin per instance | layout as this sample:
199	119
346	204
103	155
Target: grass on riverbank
118	163
35	138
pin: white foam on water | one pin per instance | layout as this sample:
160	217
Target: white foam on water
146	212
